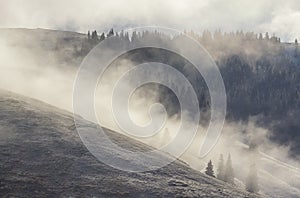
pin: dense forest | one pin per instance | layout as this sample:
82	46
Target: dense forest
261	75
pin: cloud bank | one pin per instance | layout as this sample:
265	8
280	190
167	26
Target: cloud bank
281	17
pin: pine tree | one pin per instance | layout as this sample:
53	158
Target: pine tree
217	35
126	36
278	40
296	48
134	37
221	170
229	175
206	37
210	169
110	33
267	36
94	35
252	180
89	35
102	36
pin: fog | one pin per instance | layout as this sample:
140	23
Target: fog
25	71
278	16
21	73
246	142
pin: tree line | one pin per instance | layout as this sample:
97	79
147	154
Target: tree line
205	38
225	173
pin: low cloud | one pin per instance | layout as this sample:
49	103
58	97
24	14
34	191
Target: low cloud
275	16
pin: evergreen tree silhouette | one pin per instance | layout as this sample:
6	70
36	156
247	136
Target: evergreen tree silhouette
110	33
296	47
210	169
89	35
252	180
94	35
134	36
267	37
207	37
229	175
126	36
102	36
221	169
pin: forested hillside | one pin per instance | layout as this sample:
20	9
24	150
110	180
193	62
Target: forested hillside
261	74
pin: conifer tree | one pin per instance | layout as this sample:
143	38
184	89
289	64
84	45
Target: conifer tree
210	169
267	36
252	180
296	47
126	36
102	36
89	35
110	33
221	170
134	36
229	175
207	37
94	35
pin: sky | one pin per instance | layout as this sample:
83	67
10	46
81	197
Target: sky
281	17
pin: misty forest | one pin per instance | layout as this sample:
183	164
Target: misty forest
260	73
257	154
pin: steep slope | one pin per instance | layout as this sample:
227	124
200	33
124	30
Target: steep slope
42	155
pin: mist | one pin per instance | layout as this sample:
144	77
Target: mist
42	73
245	141
44	64
22	73
279	16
